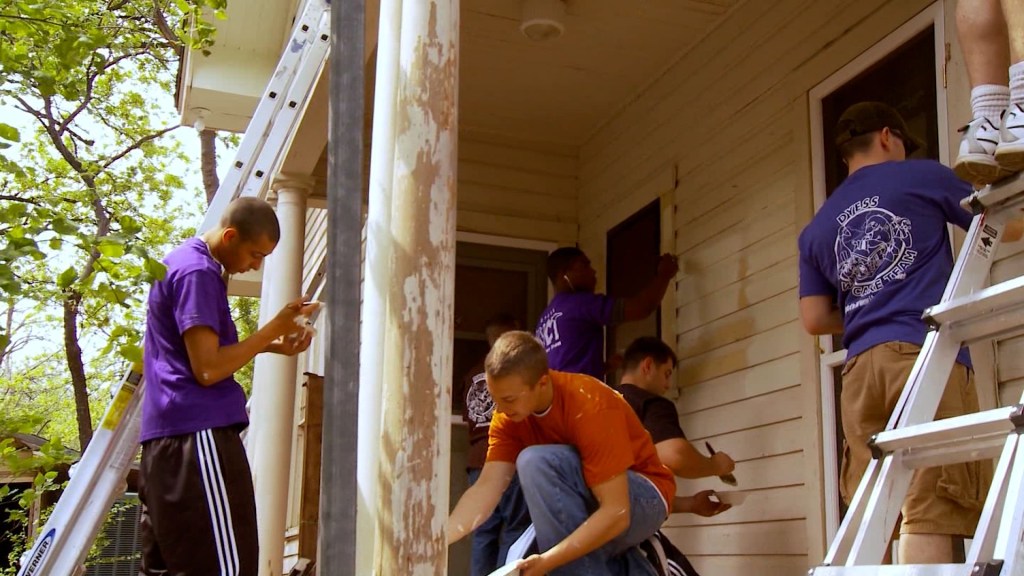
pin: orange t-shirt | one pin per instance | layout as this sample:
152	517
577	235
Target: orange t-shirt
591	417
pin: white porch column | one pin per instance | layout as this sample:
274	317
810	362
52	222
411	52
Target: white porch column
275	378
259	364
415	431
377	280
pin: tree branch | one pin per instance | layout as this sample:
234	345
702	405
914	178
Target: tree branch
121	57
30	19
165	29
90	79
136	145
45	117
13	198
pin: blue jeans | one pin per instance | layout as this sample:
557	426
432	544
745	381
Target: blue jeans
506	524
560	501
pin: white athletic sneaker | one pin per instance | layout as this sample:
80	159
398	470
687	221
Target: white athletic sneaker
1010	151
976	162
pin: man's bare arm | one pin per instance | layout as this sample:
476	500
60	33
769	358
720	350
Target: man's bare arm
820	316
647	301
479	501
699	504
686	462
211	362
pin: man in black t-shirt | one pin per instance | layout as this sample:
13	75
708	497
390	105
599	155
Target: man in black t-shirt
647	374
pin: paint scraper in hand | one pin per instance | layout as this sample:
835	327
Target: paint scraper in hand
727	478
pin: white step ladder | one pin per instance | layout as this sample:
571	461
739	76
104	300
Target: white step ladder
100	476
968	312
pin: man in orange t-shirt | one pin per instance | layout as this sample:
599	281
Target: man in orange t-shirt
588	469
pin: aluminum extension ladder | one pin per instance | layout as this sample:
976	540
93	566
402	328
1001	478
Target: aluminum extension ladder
100	476
968	312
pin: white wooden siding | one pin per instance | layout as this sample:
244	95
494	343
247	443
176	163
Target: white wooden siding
722	119
517	189
1010	352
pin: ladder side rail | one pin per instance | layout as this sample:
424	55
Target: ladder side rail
102	494
919	401
98	478
933	364
969	273
1008	540
842	544
883	510
984	544
927	381
290	114
264	116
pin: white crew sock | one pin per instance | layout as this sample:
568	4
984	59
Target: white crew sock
990	100
1017	83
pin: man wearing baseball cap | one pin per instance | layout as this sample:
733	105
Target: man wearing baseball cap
873	258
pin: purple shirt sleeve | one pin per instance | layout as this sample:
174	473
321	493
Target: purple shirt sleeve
812	281
196	304
953	190
598	308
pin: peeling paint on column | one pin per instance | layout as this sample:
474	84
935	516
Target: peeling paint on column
416	434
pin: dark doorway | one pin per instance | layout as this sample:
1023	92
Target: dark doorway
632	263
491	280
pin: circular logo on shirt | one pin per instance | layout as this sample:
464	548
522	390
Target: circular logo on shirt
479	404
873	248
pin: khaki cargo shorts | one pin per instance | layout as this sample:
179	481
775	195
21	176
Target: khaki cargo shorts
941	500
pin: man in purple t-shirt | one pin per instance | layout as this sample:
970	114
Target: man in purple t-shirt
571	328
199	514
874	257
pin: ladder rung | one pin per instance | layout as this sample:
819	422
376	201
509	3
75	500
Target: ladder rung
980	448
996	194
948	431
986	313
980	569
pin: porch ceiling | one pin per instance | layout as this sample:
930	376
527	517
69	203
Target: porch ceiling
564	89
561	91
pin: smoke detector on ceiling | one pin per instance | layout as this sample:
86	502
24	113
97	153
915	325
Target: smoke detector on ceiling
542	19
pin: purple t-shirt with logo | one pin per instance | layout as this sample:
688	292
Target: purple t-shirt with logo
193	293
571	329
879	246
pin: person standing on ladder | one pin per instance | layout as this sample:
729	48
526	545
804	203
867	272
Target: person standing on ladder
198	509
992	41
874	257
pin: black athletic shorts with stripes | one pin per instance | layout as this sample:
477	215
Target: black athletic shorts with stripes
198	508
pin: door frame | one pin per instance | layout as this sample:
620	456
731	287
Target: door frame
829	358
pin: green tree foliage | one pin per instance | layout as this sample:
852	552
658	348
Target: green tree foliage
246	313
87	189
41	465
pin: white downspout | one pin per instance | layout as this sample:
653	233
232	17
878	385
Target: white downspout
376	280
